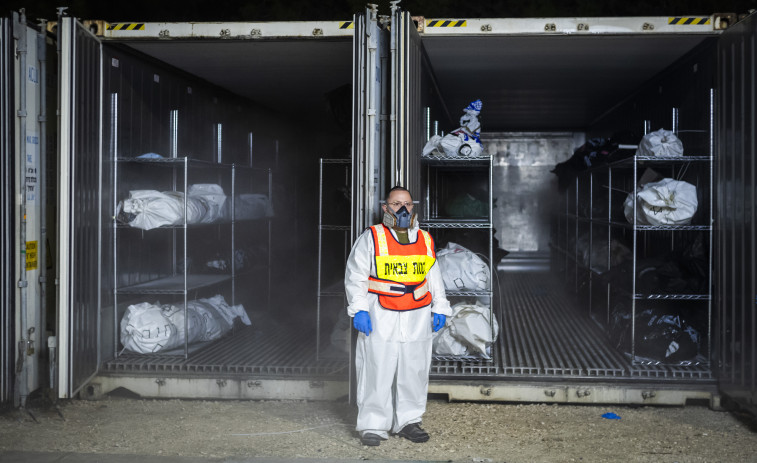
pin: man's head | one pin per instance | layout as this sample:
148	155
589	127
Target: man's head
398	210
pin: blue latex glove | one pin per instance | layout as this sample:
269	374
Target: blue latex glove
362	322
439	321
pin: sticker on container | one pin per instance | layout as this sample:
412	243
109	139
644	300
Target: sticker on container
31	174
31	255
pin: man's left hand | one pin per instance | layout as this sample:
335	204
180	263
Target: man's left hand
439	321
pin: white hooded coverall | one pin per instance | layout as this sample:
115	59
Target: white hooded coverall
393	362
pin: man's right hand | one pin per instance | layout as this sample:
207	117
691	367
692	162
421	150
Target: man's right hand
362	322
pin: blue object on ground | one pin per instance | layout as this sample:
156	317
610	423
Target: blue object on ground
611	416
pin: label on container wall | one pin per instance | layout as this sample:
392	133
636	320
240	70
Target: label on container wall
31	255
33	75
32	171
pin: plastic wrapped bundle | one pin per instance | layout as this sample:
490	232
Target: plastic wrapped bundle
148	209
463	141
660	143
150	328
667	202
468	331
461	269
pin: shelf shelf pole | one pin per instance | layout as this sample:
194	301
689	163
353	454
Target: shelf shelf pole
270	238
114	156
634	258
609	238
186	266
320	256
233	257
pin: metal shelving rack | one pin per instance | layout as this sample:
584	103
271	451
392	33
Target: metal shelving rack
572	220
435	220
182	283
347	163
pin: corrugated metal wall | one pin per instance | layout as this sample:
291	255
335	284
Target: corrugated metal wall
6	214
736	262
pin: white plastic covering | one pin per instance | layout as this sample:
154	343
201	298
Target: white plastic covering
206	203
251	206
666	202
149	328
148	209
212	196
463	141
467	332
660	143
462	270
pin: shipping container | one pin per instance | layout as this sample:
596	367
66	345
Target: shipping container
29	82
315	121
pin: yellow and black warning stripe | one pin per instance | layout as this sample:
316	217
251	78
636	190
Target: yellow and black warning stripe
689	21
446	23
347	25
126	27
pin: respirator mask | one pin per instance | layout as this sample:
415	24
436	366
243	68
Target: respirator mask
400	219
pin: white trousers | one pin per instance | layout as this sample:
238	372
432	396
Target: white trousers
392	383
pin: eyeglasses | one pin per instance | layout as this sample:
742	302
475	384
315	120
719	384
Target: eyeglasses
399	204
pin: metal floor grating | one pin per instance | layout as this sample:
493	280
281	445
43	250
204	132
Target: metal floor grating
268	351
542	335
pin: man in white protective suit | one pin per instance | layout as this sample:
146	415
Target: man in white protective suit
396	297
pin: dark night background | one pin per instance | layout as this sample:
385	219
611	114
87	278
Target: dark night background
308	10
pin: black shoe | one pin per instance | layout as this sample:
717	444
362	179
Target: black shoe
370	439
414	433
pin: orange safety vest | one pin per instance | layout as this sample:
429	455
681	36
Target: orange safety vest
401	270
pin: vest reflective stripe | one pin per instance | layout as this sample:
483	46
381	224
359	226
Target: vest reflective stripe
396	289
401	270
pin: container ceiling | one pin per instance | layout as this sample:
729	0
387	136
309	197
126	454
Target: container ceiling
551	82
288	76
526	82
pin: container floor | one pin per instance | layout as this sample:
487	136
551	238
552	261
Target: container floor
542	336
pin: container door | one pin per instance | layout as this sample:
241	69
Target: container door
369	48
735	245
6	216
79	215
408	120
